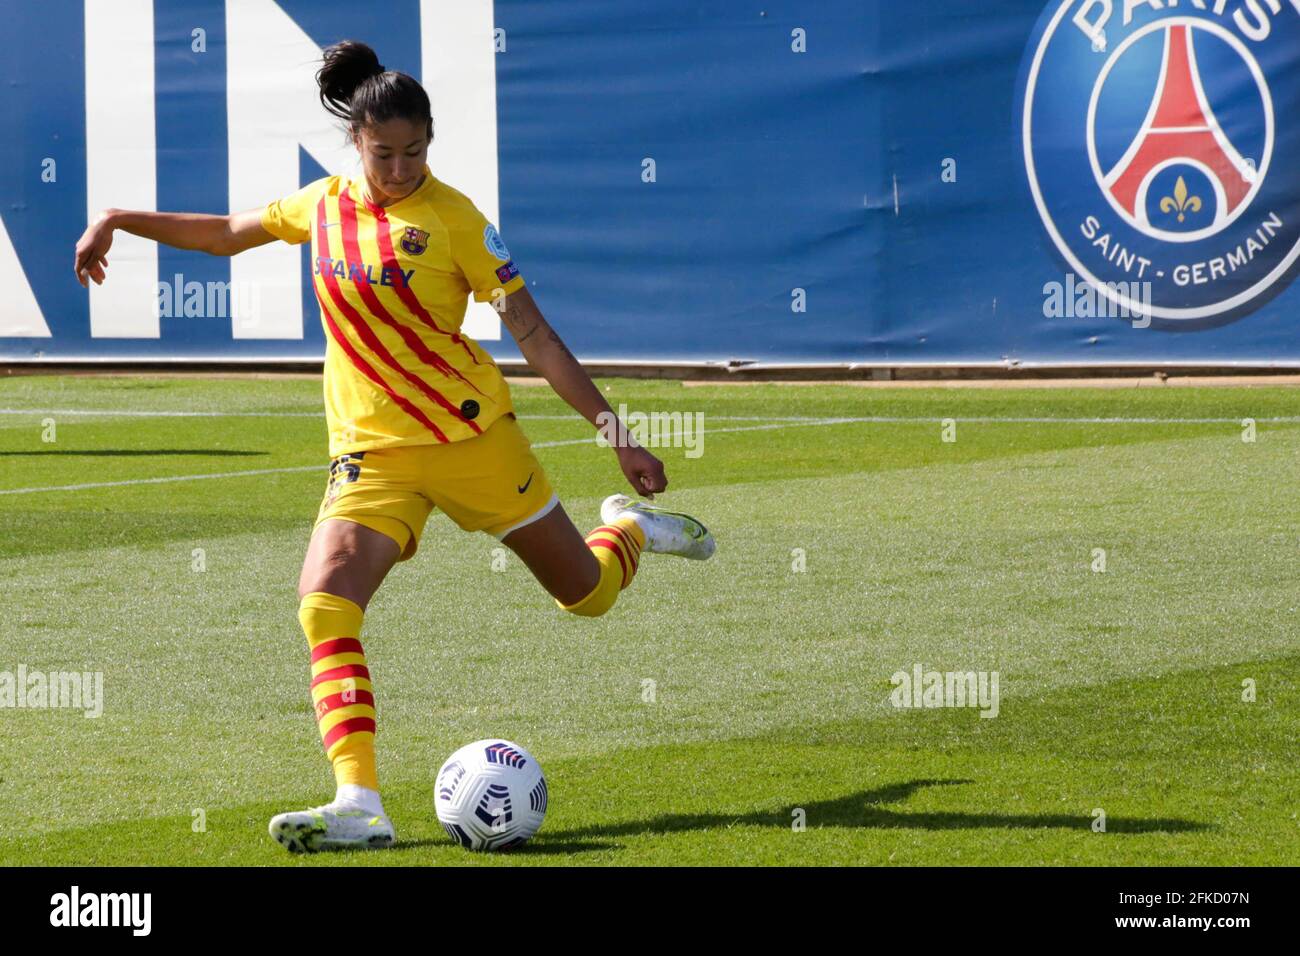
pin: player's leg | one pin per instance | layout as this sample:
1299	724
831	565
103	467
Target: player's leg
586	574
495	483
368	522
560	559
345	564
347	559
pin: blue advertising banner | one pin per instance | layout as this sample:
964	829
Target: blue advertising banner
1012	182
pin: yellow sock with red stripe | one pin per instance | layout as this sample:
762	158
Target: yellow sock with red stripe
617	547
340	686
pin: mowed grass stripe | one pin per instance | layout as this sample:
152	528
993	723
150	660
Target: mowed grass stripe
272	471
673	438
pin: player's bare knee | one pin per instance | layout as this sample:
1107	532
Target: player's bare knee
340	570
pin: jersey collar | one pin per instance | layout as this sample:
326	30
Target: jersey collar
420	193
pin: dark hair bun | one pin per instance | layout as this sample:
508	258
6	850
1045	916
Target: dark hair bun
354	86
347	65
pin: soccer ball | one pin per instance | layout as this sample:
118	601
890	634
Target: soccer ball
490	795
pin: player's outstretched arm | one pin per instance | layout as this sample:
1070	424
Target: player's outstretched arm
217	235
550	358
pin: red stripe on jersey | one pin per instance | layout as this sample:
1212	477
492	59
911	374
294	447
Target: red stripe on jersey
352	250
341	672
618	553
367	335
389	258
370	373
338	645
344	727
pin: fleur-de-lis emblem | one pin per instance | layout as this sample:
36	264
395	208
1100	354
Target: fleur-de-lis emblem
1180	202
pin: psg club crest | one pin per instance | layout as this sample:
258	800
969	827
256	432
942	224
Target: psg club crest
414	241
1162	148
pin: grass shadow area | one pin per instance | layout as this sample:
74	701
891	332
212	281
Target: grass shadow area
863	810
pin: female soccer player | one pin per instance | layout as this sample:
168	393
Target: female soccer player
419	415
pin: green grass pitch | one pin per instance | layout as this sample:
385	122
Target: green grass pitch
1124	691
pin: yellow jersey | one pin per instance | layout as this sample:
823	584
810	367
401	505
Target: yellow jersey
393	283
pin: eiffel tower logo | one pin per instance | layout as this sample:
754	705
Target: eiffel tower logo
1180	127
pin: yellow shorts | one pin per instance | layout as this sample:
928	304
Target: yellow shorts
491	482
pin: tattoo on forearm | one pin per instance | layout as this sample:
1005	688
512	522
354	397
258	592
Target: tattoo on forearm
513	314
562	347
518	320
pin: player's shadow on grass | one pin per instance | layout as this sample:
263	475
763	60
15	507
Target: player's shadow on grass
127	452
864	810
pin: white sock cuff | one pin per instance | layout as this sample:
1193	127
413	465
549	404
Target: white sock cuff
361	797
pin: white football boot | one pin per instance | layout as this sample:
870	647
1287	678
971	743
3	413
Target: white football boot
332	827
666	532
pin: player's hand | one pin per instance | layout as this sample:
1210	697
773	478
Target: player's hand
92	251
643	470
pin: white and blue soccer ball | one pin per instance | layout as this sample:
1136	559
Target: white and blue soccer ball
490	795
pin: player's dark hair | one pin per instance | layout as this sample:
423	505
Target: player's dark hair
354	86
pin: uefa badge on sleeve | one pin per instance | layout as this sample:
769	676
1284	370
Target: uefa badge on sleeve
1162	148
494	244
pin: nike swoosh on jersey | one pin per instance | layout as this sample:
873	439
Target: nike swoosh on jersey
524	488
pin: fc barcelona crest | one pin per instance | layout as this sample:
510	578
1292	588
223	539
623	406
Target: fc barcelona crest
414	241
